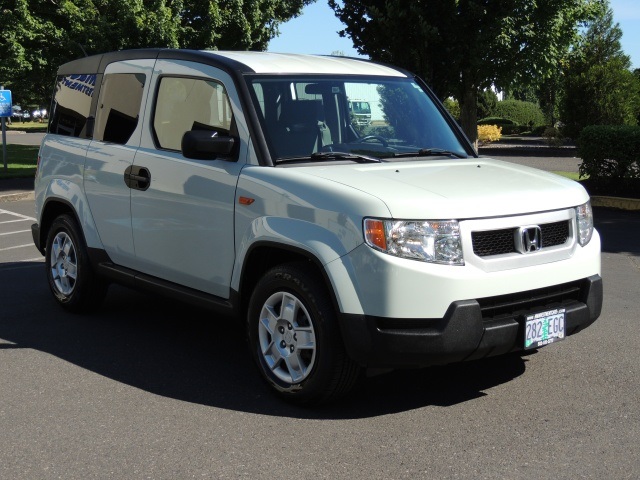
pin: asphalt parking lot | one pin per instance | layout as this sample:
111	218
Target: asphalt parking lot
147	388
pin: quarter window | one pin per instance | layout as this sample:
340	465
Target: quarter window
119	107
72	104
185	104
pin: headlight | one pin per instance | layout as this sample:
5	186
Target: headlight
584	219
427	241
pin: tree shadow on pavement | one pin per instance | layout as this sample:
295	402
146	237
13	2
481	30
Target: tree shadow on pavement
619	230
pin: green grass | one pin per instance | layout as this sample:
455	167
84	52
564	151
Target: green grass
21	161
28	126
572	175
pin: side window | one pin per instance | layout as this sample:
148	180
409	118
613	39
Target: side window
185	104
118	107
72	104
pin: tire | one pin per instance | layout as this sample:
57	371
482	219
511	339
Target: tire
72	281
295	339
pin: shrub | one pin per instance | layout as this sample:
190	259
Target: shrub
515	129
519	112
489	133
539	130
495	121
453	107
553	137
486	102
610	153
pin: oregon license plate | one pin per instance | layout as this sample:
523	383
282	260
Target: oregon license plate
544	328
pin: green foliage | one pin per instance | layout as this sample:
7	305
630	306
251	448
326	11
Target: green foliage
523	92
486	103
610	153
495	121
521	113
599	88
400	113
462	47
39	35
553	137
452	106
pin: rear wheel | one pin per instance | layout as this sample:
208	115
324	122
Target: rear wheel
71	279
295	339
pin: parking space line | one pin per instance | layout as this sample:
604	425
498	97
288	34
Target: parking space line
15	221
13	233
23	217
16	246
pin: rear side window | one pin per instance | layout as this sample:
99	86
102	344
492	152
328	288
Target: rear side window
72	104
185	104
119	107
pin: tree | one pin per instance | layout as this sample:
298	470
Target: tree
461	47
598	70
486	103
39	35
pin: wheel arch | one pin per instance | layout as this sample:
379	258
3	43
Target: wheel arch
265	255
53	208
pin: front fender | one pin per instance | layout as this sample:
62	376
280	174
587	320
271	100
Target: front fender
328	249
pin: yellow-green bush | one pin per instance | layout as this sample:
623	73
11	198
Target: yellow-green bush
489	133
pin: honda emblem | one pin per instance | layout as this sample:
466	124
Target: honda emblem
528	239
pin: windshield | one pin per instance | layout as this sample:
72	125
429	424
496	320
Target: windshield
377	117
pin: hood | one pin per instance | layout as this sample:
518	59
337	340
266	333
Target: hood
458	189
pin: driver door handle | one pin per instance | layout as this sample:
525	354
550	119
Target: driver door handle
138	178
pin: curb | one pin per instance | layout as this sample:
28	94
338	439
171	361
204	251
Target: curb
616	202
14	197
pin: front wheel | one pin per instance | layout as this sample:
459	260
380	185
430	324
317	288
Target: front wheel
295	339
71	278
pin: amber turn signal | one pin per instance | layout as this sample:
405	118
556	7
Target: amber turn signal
374	233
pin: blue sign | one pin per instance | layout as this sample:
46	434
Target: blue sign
5	103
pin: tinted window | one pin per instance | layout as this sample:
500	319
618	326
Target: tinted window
72	104
185	104
119	107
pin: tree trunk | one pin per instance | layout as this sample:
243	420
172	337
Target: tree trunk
468	109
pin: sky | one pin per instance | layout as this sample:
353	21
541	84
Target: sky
315	31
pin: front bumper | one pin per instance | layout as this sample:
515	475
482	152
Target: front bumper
470	329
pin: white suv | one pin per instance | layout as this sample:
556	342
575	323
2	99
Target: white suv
243	182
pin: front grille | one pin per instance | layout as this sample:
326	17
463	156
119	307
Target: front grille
494	242
513	303
554	233
499	242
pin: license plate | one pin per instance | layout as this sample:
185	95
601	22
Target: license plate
543	328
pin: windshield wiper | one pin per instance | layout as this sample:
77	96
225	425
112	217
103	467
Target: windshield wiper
356	157
319	156
428	152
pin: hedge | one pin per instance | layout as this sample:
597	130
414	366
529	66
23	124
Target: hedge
519	112
495	121
610	153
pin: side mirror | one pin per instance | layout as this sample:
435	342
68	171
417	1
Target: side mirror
208	145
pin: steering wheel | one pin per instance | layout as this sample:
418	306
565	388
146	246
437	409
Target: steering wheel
380	139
